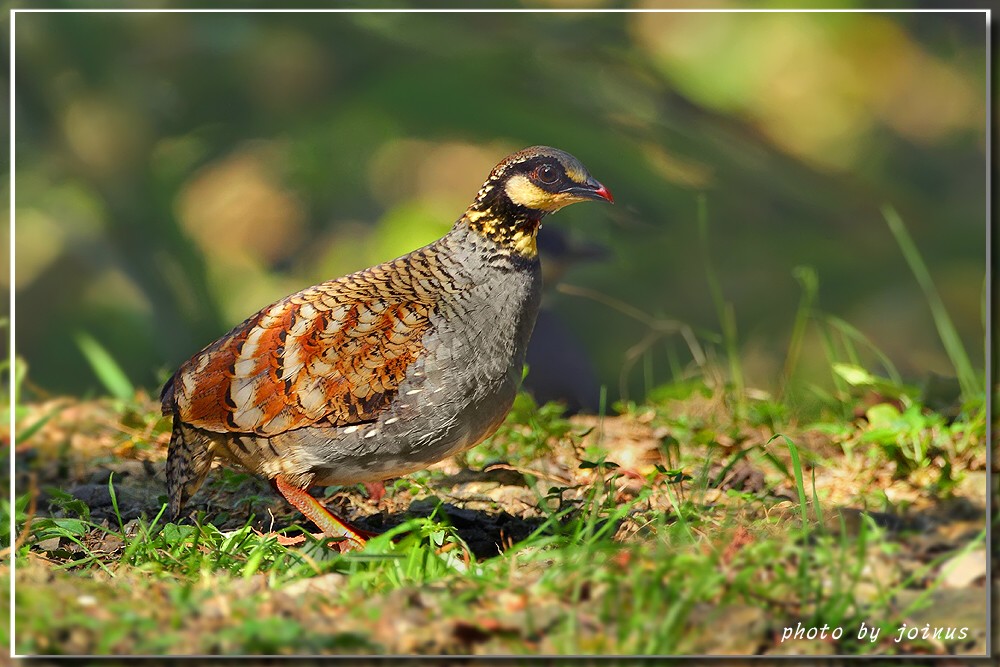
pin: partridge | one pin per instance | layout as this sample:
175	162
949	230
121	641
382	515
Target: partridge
381	372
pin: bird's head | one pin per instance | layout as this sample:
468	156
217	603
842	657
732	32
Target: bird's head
540	180
525	187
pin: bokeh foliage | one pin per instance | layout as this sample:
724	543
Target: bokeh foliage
175	172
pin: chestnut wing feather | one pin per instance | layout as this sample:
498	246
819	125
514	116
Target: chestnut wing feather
333	354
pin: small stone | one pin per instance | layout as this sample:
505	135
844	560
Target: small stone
328	585
49	545
964	570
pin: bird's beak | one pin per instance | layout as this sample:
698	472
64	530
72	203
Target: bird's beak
592	190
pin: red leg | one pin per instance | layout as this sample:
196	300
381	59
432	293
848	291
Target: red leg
319	515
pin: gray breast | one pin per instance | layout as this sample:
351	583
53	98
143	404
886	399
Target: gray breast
455	394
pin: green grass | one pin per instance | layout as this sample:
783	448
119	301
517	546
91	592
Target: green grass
600	574
969	379
107	370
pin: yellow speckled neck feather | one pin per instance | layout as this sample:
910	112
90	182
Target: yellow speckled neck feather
517	236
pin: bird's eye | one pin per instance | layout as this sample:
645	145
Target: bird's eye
546	174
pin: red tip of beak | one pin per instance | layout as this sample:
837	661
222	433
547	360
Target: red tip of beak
604	193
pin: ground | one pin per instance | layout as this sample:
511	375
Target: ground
685	526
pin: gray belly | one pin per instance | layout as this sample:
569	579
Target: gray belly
390	449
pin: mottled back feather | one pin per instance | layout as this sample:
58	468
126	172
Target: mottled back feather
333	354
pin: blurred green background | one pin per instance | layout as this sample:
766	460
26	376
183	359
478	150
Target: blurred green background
176	172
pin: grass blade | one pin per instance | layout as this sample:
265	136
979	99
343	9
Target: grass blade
806	275
850	332
105	367
800	488
946	329
723	309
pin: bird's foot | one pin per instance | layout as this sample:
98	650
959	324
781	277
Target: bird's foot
350	538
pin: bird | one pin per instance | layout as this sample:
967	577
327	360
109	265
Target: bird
382	372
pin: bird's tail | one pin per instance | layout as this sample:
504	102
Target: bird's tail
189	459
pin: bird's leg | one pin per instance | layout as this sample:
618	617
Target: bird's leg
319	515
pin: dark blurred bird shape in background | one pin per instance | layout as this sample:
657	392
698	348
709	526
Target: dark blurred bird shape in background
560	368
385	371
